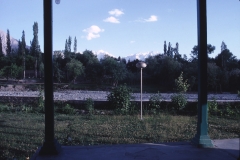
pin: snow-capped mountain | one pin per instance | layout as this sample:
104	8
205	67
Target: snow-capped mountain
141	56
101	53
14	42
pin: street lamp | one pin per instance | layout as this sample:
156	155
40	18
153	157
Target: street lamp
141	65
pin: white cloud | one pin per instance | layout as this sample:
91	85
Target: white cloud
111	20
116	12
93	32
152	18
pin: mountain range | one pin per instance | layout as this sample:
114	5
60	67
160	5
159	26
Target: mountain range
100	53
14	42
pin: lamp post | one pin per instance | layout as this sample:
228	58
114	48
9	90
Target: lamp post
141	65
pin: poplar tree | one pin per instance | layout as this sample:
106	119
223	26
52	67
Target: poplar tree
9	47
35	48
23	52
75	45
1	51
69	43
165	48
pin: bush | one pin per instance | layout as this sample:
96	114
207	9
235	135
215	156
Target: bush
212	107
181	86
179	101
155	102
4	108
119	98
67	109
89	105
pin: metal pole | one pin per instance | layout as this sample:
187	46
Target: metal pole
141	93
201	138
50	145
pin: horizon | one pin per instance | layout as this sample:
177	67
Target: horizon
122	30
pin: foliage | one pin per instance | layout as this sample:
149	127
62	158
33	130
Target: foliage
113	70
9	47
75	68
212	107
120	97
12	71
89	105
179	101
67	109
41	100
155	102
182	86
194	52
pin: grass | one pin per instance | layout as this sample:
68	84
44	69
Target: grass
22	133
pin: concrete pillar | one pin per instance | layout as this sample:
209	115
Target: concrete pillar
50	145
201	138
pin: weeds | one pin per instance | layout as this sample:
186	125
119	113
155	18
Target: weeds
21	134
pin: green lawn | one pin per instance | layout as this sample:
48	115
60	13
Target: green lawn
22	133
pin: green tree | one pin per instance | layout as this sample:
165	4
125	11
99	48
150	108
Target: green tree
75	68
226	60
94	72
35	49
69	43
194	52
213	72
9	47
113	70
165	48
12	71
87	57
23	53
1	51
75	45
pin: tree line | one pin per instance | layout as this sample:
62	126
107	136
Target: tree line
161	71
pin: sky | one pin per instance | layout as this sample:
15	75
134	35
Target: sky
126	27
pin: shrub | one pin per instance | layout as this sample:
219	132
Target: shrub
181	86
67	109
4	108
120	97
89	105
155	102
41	101
212	107
179	101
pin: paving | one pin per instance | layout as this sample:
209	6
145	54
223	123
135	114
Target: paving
226	149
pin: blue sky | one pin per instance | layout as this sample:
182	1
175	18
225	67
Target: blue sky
125	27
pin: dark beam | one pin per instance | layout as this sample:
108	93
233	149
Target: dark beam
201	138
50	145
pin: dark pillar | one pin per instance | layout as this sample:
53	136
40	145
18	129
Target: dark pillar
201	138
50	145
